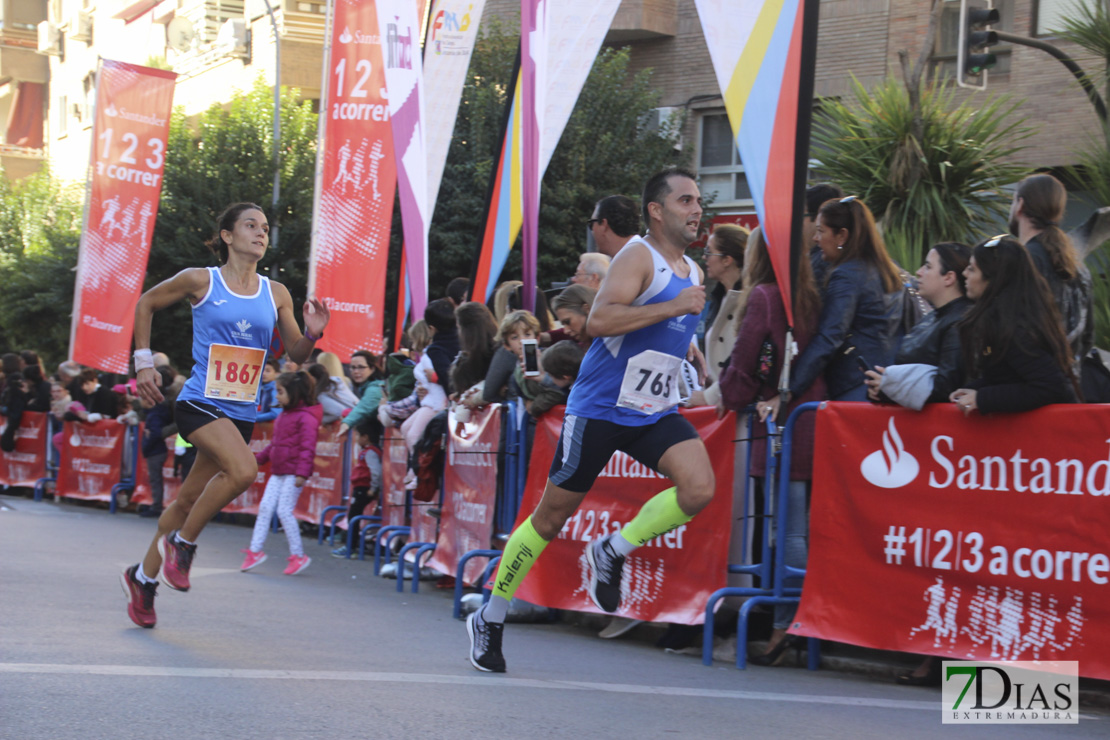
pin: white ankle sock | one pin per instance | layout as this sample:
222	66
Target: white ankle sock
142	577
620	545
495	609
182	540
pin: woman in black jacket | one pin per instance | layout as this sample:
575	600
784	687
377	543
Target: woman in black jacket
861	311
935	340
1012	340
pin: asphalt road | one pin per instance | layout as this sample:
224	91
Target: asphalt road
336	653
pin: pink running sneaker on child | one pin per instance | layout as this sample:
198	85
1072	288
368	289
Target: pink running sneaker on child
177	558
252	559
297	563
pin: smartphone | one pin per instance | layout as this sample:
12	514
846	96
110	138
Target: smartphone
863	364
531	357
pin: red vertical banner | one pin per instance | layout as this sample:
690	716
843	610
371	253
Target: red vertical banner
131	126
667	580
470	488
394	464
91	457
24	465
357	176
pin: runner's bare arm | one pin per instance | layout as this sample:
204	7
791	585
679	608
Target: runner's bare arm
316	316
191	284
629	275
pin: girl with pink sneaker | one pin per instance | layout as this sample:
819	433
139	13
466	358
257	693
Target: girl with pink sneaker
291	454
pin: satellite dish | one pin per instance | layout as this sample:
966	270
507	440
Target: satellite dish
180	34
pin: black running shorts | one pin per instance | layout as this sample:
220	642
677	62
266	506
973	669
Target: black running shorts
585	446
191	415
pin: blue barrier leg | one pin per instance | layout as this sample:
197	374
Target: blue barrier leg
457	612
420	552
353	526
409	546
491	566
388	534
320	529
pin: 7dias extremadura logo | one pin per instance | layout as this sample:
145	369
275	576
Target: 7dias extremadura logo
1016	693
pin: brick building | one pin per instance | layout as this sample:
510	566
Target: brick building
220	45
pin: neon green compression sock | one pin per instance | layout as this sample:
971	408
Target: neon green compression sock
658	516
522	549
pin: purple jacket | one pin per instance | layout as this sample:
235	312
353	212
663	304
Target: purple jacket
292	451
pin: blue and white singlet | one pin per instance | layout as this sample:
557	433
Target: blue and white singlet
598	386
225	318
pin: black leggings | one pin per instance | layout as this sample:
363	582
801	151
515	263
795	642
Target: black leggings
359	500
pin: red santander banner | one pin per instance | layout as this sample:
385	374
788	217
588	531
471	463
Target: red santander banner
23	466
470	490
132	123
91	456
353	210
979	538
667	580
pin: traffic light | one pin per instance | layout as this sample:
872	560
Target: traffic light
972	60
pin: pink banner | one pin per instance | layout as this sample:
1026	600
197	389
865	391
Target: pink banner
470	489
356	179
23	466
133	106
394	465
91	455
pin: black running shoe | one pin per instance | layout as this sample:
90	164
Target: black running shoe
606	567
485	643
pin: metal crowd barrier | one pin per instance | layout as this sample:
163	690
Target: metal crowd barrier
775	590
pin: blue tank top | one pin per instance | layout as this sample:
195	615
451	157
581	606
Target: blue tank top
223	317
595	392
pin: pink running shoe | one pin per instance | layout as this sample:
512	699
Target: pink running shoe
140	598
177	558
297	563
252	559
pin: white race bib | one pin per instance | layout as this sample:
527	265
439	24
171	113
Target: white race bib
650	383
234	373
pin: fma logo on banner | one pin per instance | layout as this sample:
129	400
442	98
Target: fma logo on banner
1021	692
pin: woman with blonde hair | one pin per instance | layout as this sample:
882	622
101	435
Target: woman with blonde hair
334	366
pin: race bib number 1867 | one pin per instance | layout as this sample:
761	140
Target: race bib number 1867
234	373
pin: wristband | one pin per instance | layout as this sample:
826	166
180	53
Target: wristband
144	360
311	338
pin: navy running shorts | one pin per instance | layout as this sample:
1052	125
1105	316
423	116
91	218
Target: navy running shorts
585	446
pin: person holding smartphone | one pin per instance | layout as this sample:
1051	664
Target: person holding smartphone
642	321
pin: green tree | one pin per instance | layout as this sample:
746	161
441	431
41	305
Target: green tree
224	156
40	229
942	184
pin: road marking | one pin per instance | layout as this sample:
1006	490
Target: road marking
476	680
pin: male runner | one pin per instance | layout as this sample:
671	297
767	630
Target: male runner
624	399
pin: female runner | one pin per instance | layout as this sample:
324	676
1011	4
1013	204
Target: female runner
235	311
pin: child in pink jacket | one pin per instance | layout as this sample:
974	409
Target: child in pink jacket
291	454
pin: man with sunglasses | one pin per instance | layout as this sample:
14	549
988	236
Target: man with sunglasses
614	222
